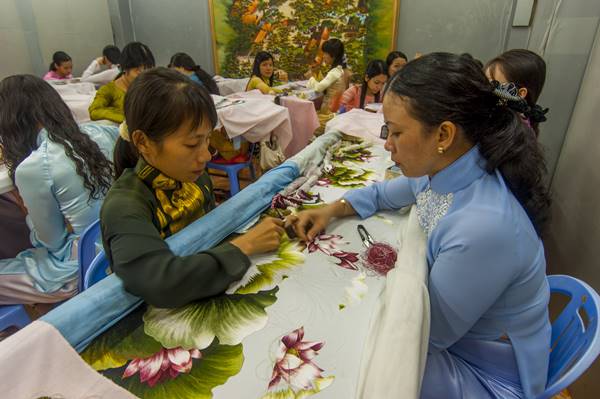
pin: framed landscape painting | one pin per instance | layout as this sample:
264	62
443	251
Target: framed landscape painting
293	31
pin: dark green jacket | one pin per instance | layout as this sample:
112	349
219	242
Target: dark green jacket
143	260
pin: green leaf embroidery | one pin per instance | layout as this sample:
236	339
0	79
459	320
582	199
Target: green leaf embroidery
229	318
320	384
270	274
124	341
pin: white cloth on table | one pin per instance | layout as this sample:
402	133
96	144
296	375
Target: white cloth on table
255	120
395	352
229	86
303	118
63	87
78	97
358	122
40	363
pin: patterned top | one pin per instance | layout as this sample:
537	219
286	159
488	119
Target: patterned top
487	277
179	204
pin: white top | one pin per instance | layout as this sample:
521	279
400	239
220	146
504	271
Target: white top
98	74
332	76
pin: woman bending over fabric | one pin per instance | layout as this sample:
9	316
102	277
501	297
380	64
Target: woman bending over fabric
108	103
475	172
527	71
264	74
332	85
368	92
62	172
161	187
185	64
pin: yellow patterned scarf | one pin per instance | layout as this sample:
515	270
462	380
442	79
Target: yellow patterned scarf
179	203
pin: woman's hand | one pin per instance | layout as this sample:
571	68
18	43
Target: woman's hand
308	74
310	223
264	237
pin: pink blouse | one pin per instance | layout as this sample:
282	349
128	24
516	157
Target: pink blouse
351	98
52	75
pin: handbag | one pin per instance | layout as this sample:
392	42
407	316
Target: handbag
271	154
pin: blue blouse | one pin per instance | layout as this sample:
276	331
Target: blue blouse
486	262
54	194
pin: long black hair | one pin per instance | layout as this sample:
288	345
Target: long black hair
374	68
135	55
335	48
525	69
442	87
158	102
261	57
58	58
28	103
185	61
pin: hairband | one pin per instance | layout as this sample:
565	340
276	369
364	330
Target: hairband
508	95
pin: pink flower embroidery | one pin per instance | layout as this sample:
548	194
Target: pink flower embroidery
294	362
324	182
166	364
347	259
325	243
328	244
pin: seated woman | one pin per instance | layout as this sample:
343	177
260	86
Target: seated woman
62	172
476	176
186	65
108	103
370	91
104	69
395	60
161	187
527	71
333	84
263	74
60	68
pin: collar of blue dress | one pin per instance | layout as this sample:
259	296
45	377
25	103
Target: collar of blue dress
460	173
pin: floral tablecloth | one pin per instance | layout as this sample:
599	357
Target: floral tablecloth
293	327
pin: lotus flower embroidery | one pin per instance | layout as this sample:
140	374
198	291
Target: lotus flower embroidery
164	365
328	244
295	368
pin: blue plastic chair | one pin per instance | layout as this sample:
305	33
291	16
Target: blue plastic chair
13	316
233	169
575	344
98	269
87	250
